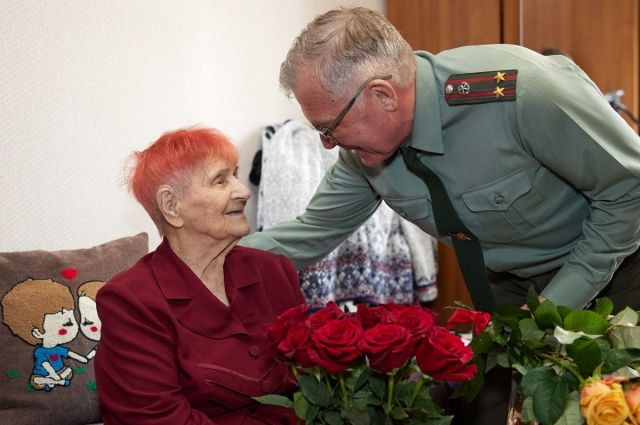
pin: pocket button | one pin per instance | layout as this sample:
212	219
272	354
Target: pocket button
254	350
499	199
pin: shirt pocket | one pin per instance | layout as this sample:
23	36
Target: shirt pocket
503	209
233	390
413	209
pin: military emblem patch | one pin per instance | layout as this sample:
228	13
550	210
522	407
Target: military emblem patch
481	87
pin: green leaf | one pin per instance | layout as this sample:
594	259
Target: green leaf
355	416
617	358
363	377
550	400
312	413
482	343
571	415
625	336
586	321
564	311
604	307
547	315
378	385
627	316
566	337
300	405
314	391
586	354
536	377
332	418
376	416
532	300
530	331
274	400
398	413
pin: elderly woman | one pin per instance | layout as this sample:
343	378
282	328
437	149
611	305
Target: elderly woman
183	337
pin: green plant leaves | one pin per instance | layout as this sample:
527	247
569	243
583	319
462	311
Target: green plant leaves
547	315
587	355
314	391
586	321
625	337
618	358
627	317
274	400
604	307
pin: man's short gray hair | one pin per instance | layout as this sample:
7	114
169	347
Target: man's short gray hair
346	47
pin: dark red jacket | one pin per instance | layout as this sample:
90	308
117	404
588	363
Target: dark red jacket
171	353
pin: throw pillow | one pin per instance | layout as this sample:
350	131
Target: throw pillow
50	330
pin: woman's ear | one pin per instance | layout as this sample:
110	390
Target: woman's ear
385	94
168	202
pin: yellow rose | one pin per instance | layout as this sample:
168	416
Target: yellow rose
632	395
604	406
591	389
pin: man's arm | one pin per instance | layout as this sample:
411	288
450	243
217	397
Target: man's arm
343	201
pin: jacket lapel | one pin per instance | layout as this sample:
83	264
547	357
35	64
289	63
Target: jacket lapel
191	303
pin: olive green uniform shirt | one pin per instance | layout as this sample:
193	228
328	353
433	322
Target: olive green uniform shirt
549	180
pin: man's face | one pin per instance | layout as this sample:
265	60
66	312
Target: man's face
366	130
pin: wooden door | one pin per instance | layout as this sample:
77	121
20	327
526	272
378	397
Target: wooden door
601	36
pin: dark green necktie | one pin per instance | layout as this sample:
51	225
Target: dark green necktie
468	249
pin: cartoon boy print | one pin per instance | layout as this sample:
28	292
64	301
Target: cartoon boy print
90	324
40	312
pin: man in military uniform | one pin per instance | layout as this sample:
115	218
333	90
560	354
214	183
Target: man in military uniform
542	173
536	163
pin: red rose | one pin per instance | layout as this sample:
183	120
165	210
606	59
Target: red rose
479	319
387	346
335	344
371	316
418	320
278	329
444	356
330	311
296	343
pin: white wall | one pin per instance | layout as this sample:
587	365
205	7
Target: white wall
83	83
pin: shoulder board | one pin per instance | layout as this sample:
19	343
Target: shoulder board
481	87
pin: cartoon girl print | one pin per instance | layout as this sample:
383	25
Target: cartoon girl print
40	312
90	324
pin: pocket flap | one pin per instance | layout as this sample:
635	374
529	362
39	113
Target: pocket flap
498	195
412	208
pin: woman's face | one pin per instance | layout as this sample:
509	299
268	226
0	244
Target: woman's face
213	204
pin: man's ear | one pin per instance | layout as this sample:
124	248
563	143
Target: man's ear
168	202
385	94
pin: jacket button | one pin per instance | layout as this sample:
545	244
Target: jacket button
499	199
254	350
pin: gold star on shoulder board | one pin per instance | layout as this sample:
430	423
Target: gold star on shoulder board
498	92
499	77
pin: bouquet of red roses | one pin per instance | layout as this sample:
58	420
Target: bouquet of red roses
375	366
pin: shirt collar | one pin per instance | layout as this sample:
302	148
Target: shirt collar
177	280
426	134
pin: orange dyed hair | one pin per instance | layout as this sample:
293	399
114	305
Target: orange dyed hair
172	160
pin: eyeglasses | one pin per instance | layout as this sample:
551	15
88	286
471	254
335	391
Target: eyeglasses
326	131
